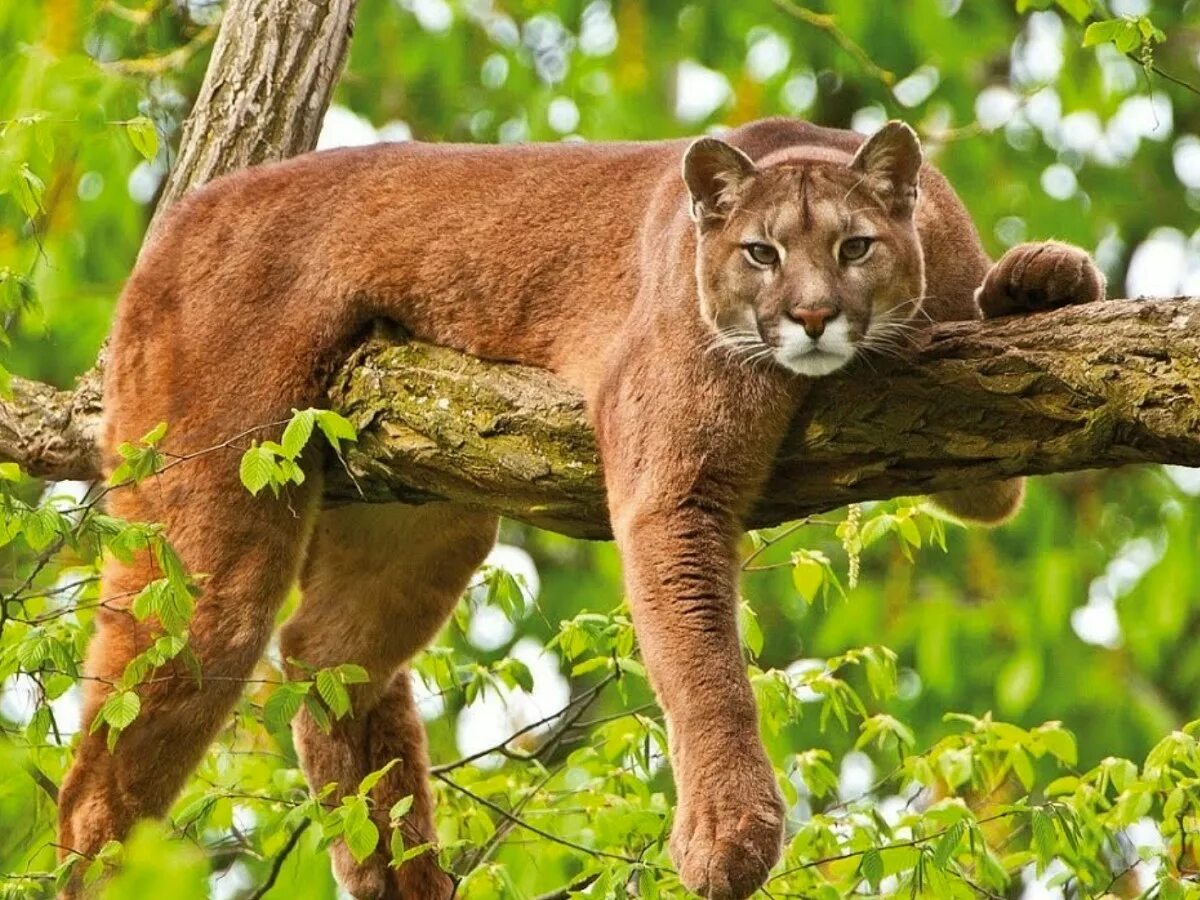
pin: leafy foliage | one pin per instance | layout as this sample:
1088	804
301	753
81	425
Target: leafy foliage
859	631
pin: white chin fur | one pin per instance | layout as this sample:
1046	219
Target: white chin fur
805	356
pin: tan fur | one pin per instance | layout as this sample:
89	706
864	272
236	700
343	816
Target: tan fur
581	258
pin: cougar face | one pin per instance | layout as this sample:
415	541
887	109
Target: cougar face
804	263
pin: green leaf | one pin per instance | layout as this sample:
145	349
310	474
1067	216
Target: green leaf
39	725
42	526
396	847
155	434
150	599
144	137
1023	765
118	712
349	673
359	831
590	665
1101	32
1060	743
1124	33
909	531
807	575
520	674
871	868
318	712
257	468
283	704
333	692
139	462
752	636
372	778
335	428
1044	838
298	431
1078	10
947	844
1059	786
413	852
400	808
29	190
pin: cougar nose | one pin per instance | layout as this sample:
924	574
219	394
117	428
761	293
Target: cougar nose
813	318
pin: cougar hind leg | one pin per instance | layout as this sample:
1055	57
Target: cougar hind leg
377	585
245	552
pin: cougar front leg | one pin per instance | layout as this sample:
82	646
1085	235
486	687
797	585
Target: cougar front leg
681	464
1033	277
680	573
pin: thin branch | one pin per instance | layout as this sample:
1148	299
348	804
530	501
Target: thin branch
521	823
280	858
895	845
828	24
1165	75
582	702
564	893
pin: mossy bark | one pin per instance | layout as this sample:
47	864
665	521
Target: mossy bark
1086	387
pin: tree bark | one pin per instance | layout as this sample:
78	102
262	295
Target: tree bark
1086	387
268	84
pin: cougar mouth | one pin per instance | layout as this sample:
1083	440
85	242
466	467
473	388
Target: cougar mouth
803	354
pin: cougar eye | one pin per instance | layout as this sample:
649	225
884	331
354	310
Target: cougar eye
761	255
855	248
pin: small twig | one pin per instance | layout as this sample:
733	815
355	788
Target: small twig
1166	76
472	861
167	62
828	24
895	845
280	858
521	823
563	893
580	703
770	542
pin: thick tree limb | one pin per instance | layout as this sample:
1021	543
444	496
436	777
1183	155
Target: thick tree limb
1096	386
50	432
1087	387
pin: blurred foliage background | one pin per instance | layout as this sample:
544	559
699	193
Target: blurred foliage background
1085	610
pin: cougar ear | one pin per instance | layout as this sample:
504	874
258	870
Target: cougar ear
891	161
713	171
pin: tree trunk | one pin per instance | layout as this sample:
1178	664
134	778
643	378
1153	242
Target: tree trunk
273	69
268	84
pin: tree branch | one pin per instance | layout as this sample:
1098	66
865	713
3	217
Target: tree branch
1086	387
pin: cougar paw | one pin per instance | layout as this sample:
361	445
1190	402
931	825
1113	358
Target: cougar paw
1032	277
724	844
